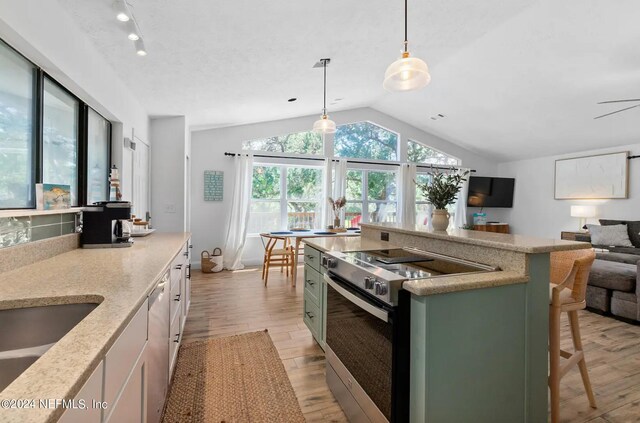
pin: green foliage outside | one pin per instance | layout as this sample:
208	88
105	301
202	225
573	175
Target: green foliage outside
299	143
365	140
418	153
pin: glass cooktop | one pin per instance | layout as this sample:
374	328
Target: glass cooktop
413	264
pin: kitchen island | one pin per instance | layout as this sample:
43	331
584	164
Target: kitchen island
477	341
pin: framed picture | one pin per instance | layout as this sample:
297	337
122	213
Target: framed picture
53	196
603	176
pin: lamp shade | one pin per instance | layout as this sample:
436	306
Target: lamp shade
406	74
324	125
583	211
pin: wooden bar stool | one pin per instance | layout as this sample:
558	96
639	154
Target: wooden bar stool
567	291
276	256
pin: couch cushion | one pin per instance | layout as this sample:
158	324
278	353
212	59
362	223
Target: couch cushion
612	275
614	255
633	227
598	298
614	235
627	296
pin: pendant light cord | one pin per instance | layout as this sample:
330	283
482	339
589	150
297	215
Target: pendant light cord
324	100
406	41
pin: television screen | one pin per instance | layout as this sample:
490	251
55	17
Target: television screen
490	192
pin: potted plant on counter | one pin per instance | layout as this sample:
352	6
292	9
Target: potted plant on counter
440	192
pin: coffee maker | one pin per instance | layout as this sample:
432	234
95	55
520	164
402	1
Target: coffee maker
105	225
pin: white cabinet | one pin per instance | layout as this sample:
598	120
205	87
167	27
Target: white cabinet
130	406
90	395
122	356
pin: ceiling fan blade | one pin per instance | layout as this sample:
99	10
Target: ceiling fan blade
618	101
617	111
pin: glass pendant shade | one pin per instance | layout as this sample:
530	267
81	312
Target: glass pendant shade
406	74
324	125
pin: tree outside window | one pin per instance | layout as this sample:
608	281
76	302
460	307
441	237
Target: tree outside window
364	140
420	153
296	143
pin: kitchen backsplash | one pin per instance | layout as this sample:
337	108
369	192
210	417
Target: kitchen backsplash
20	230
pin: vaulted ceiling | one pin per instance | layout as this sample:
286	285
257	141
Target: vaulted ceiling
514	78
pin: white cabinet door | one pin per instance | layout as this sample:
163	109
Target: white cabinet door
91	395
131	406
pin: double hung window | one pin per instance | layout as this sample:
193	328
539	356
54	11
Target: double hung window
285	197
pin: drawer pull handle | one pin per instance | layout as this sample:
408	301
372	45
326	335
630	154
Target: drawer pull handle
177	298
178	266
309	256
310	282
310	315
186	254
177	338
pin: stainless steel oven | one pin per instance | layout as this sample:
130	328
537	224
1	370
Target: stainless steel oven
368	327
367	348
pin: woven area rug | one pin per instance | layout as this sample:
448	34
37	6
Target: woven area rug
234	379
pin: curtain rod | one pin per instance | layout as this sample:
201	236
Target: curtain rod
350	161
633	157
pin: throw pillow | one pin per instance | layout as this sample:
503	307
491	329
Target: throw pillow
633	227
610	235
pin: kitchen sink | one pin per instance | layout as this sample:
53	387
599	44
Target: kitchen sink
27	333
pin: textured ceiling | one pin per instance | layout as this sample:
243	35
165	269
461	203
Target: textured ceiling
515	78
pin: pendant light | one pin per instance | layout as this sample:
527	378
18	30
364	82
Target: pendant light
406	73
324	125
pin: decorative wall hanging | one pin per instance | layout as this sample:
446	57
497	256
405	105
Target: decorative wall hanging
213	185
603	176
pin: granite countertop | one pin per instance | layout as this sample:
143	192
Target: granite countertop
511	242
119	279
422	287
344	244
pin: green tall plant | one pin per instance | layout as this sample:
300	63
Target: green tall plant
443	188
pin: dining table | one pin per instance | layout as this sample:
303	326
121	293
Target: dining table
297	236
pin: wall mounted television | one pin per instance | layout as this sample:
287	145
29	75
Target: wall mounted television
490	192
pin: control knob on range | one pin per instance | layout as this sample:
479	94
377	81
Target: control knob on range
369	281
331	263
381	288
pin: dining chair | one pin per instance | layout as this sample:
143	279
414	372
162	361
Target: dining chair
567	291
273	255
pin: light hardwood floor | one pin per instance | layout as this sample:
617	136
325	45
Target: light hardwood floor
230	303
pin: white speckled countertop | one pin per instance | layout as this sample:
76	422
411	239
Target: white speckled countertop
510	242
440	285
119	279
344	244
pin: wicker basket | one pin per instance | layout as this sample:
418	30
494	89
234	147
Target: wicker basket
211	263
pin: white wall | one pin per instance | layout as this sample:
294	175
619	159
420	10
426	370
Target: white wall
168	173
536	212
44	33
209	219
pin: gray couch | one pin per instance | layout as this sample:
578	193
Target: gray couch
614	282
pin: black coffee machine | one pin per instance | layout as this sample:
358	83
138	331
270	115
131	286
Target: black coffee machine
103	225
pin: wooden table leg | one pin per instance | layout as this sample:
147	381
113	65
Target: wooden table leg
294	273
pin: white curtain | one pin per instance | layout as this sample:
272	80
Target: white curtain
335	185
407	194
460	217
239	218
327	215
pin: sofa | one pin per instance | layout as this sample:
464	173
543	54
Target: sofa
614	281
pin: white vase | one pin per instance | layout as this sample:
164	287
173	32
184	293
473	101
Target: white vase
440	220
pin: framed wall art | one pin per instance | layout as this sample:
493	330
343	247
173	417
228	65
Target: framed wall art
603	176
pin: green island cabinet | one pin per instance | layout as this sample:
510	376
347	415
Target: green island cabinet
476	356
315	292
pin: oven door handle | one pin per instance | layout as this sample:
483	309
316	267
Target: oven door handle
369	308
